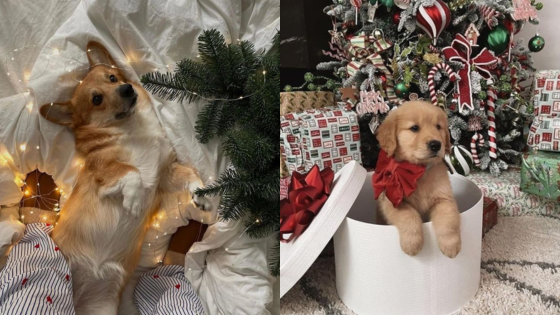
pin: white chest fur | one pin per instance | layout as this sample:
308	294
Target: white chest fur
146	146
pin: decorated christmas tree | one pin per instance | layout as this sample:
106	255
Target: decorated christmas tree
241	88
457	54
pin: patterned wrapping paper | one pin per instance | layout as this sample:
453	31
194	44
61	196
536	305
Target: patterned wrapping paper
546	98
290	144
295	102
511	200
544	133
540	174
328	137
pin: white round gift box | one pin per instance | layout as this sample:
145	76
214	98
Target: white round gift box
374	276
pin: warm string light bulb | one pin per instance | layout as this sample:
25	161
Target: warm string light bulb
56	52
22	147
27	193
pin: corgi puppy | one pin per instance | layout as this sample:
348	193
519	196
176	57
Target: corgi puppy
130	166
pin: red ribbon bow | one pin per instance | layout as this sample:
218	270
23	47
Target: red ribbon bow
396	179
306	196
460	50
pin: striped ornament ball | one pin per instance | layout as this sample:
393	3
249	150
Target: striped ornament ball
460	160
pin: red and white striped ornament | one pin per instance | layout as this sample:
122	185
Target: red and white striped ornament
477	137
492	123
433	20
432	85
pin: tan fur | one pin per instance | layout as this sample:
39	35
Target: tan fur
433	198
129	168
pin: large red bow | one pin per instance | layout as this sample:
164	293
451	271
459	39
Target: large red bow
460	50
306	196
396	179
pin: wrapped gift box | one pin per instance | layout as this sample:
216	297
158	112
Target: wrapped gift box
295	102
328	137
511	200
540	174
290	144
544	133
489	214
546	98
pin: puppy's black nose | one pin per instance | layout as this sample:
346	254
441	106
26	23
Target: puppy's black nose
126	90
434	145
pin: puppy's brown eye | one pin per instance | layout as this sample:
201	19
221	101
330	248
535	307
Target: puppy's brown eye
438	127
415	128
113	78
97	99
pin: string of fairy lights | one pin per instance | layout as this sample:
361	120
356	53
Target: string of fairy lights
75	66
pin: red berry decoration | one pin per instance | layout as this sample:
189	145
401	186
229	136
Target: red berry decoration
397	17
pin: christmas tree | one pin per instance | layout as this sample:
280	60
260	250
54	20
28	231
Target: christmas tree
457	54
242	90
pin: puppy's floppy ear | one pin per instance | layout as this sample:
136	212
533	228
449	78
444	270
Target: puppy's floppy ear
447	137
447	140
58	113
387	133
97	54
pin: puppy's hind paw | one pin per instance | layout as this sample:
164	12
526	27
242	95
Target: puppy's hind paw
203	203
450	246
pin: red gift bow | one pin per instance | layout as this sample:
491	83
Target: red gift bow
460	50
396	179
306	196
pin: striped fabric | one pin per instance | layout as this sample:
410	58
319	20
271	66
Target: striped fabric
36	279
165	290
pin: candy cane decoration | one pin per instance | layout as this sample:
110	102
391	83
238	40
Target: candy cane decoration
476	137
489	14
432	85
492	123
357	4
433	49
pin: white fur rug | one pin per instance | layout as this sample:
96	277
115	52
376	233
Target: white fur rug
520	274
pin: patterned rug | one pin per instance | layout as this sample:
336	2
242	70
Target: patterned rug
520	274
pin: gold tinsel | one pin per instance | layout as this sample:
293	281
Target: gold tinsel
432	58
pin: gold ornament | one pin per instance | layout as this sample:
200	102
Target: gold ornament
432	58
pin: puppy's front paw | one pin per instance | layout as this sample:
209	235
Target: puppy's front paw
133	193
203	203
450	246
412	242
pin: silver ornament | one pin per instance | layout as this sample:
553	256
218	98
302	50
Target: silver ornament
402	4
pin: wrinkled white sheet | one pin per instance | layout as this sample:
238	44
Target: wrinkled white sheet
150	35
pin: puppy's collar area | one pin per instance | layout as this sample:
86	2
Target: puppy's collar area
397	179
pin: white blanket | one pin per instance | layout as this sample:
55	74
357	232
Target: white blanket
143	36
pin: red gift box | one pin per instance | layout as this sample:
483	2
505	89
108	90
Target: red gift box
490	214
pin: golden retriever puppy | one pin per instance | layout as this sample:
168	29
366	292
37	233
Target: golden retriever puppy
417	133
129	167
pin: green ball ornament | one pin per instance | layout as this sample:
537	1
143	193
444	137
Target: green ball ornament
311	87
402	90
309	77
388	3
288	88
536	43
460	160
498	39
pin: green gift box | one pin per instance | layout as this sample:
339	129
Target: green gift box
540	174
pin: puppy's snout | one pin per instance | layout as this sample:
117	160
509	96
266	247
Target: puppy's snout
126	90
434	145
